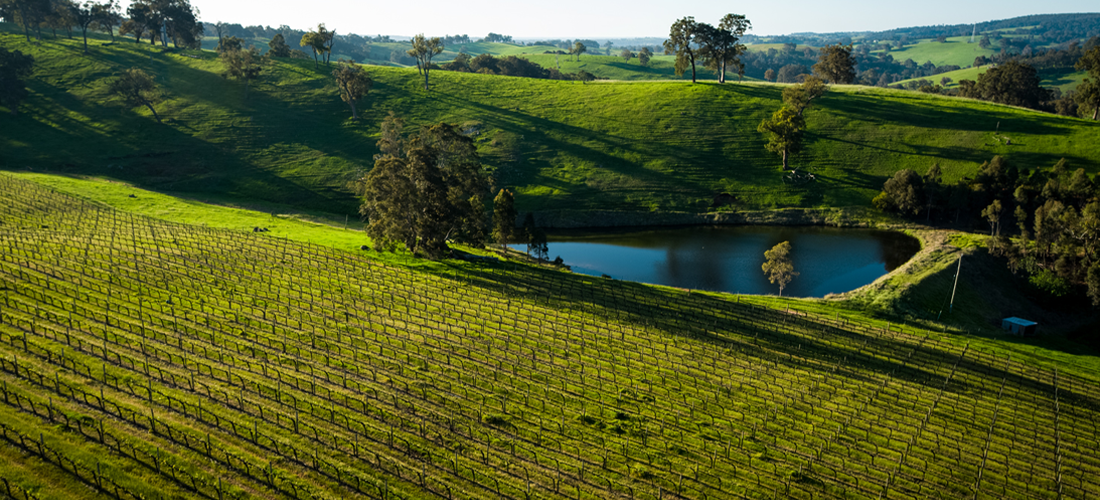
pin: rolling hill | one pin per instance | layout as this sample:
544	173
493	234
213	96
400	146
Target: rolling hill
631	146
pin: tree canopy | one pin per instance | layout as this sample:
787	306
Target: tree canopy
353	82
1011	83
430	192
835	64
243	64
785	128
644	56
504	217
278	46
683	37
721	46
800	97
778	266
1088	92
423	50
14	68
136	88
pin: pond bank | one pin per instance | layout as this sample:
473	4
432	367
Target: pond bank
836	217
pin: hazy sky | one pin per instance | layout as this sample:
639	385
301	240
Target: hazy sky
638	18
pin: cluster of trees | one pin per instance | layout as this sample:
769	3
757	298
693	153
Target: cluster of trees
718	48
487	64
320	42
176	19
1018	84
240	63
1056	214
788	63
643	55
1045	29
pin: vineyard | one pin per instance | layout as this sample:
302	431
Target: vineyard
144	359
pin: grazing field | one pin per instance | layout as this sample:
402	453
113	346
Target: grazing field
141	359
630	146
955	51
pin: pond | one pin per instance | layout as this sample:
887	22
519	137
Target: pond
728	258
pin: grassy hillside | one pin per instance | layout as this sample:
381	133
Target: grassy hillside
562	145
1062	80
146	358
955	51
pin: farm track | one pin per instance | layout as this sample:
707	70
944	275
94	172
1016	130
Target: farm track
141	359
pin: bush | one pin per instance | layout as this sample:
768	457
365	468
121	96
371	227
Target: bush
1050	284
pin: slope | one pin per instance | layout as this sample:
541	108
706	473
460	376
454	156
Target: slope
646	146
149	359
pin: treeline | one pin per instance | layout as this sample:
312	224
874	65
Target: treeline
1045	222
176	19
1043	28
486	64
788	63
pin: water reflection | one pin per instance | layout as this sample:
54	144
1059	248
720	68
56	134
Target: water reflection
830	260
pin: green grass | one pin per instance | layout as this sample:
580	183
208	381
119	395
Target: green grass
956	51
638	146
168	360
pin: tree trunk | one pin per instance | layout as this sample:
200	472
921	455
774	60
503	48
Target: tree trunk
1096	112
722	72
26	30
155	115
85	41
784	160
426	79
692	57
354	113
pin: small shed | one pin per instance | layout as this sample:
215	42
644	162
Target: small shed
1019	326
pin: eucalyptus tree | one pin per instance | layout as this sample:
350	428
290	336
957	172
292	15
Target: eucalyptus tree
683	39
353	82
423	50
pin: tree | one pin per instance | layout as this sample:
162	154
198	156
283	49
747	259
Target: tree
535	237
423	50
137	88
316	43
84	16
769	75
278	46
790	73
1092	279
578	49
992	213
139	21
1011	83
904	192
14	67
242	64
626	54
107	16
431	194
800	97
228	44
836	64
778	266
682	38
29	13
176	18
353	82
644	56
932	187
721	47
504	217
785	128
1088	92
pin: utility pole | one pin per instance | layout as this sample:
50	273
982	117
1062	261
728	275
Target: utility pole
956	286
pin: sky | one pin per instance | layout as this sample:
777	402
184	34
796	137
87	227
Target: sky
614	19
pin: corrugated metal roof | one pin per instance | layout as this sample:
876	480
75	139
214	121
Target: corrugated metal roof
1020	321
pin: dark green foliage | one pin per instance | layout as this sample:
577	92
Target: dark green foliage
1011	83
683	36
504	217
535	237
721	46
1088	93
644	56
791	73
14	68
432	193
836	65
902	193
177	16
278	46
778	266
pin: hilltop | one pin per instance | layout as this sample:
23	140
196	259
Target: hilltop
639	146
